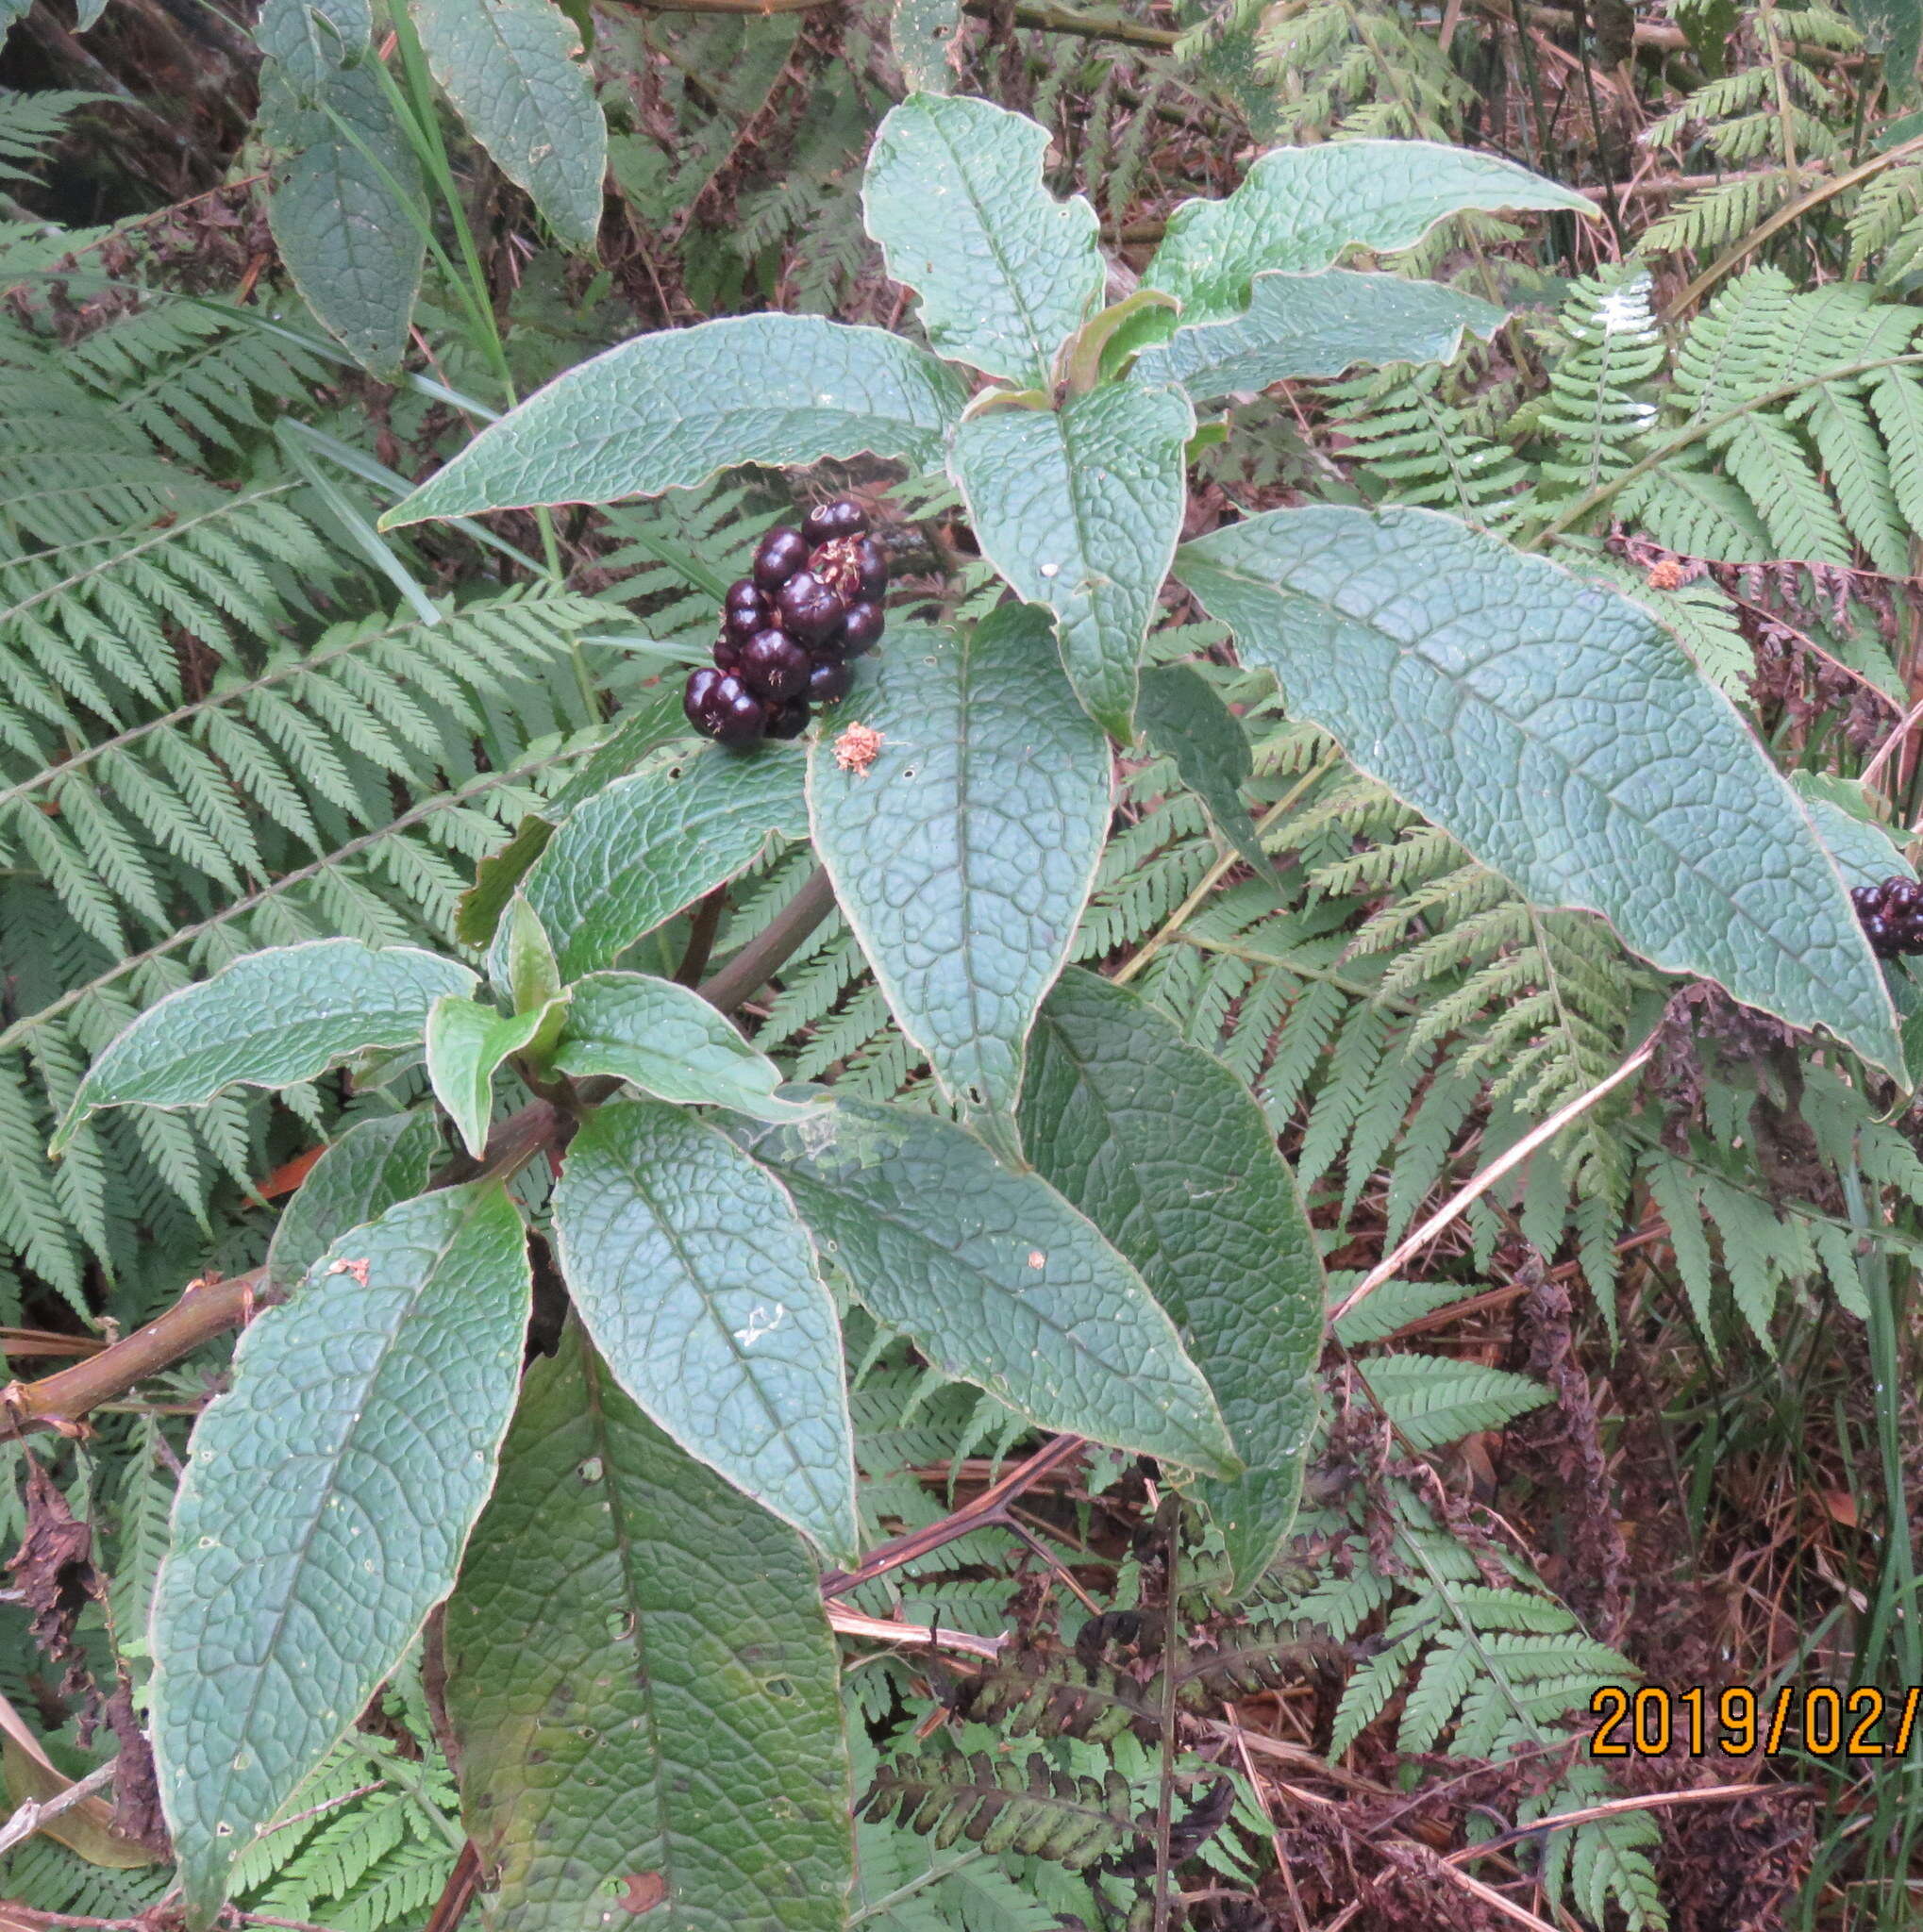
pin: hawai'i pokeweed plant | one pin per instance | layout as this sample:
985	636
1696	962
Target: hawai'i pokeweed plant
622	1541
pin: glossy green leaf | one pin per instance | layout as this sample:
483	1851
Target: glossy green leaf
666	411
466	1043
1166	1151
1318	324
375	1164
963	855
324	1508
514	73
1182	717
268	1020
995	1278
342	192
655	841
698	1285
643	1684
1006	273
1561	735
1299	208
670	1043
1081	510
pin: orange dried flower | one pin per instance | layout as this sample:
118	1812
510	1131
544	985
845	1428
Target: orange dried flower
856	748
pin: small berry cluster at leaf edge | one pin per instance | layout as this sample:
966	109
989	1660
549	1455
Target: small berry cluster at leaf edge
1892	916
788	630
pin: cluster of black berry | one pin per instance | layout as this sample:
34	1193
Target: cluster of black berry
1892	916
788	631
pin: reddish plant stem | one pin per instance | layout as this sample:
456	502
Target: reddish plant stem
206	1309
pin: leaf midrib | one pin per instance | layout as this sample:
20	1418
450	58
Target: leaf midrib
355	1428
671	1234
1036	1314
1684	860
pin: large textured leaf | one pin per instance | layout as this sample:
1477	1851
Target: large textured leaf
1299	208
698	1285
1183	718
643	1684
358	1178
324	1510
955	196
513	70
995	1278
467	1042
652	843
1562	736
963	855
665	412
669	1042
310	40
1164	1149
268	1020
1080	509
922	35
1318	324
340	202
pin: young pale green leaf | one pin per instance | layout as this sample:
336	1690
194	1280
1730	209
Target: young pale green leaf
1299	208
466	1043
533	972
964	854
1318	324
1006	273
341	201
514	73
996	1279
324	1508
268	1020
643	1684
653	842
670	1043
1561	735
371	1166
699	1286
666	411
1183	718
1081	510
1164	1149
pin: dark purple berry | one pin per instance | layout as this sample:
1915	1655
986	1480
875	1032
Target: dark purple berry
860	630
1866	899
1903	895
742	625
774	666
742	594
872	561
778	557
727	652
828	683
698	697
810	608
1876	930
841	518
790	720
737	717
